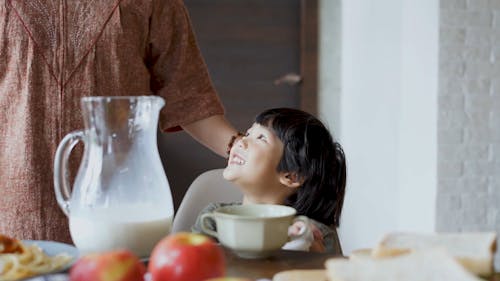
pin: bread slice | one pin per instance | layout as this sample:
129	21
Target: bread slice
364	253
430	265
301	275
475	251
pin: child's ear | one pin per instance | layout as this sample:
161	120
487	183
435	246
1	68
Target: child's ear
291	180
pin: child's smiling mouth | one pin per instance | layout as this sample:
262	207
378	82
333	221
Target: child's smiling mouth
236	159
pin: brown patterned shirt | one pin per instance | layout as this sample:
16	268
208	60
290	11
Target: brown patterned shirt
52	53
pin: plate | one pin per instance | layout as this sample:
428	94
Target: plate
53	248
49	277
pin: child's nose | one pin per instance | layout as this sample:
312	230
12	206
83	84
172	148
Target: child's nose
242	142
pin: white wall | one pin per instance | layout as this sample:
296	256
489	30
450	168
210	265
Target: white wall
329	86
418	115
384	110
469	117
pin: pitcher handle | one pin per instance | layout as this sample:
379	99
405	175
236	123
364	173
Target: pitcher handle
61	174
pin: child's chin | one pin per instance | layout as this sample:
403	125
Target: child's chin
228	173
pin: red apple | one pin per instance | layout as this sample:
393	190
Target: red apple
186	257
119	265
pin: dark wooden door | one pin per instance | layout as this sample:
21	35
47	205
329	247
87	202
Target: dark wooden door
248	46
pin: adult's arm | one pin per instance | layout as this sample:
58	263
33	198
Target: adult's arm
214	132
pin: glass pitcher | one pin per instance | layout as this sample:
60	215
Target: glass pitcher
121	197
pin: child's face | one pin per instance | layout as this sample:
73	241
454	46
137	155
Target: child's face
254	158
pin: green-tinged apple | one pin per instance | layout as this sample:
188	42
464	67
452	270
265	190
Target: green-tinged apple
118	265
186	257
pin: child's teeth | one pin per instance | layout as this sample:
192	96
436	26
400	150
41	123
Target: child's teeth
238	160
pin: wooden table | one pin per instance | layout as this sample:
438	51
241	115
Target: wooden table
282	260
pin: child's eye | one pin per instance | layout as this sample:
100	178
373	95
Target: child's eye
246	134
262	137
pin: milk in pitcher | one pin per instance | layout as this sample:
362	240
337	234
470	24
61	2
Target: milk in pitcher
119	229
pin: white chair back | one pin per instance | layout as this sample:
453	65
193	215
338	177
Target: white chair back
207	188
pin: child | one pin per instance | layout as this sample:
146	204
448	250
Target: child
288	157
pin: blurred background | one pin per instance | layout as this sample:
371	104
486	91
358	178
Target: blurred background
411	89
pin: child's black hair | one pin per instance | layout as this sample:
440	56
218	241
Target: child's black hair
311	153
